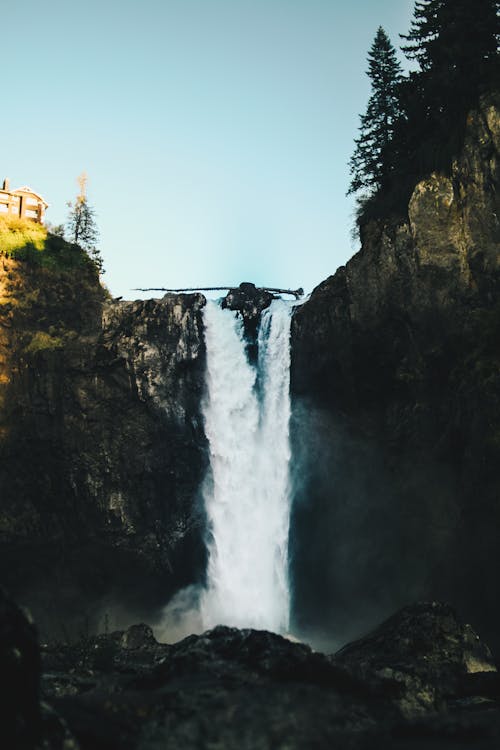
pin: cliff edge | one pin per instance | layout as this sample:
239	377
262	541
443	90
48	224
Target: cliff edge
102	449
396	384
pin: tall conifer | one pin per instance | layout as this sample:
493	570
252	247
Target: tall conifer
369	165
455	43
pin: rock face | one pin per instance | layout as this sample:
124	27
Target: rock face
395	429
425	653
250	303
102	449
405	684
396	385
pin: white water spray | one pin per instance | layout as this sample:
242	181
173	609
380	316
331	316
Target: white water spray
247	500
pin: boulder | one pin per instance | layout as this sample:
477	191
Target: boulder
423	655
25	722
230	688
250	302
20	674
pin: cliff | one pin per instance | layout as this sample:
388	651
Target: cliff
102	450
396	385
395	423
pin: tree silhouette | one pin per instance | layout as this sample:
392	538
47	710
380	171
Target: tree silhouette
455	43
82	227
370	165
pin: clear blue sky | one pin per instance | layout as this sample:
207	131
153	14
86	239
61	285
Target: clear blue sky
215	133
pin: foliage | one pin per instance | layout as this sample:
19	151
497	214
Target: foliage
43	341
369	166
81	225
16	234
28	241
57	229
82	229
455	44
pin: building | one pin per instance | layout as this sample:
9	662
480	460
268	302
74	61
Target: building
23	202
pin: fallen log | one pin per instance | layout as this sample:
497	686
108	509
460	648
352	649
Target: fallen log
297	293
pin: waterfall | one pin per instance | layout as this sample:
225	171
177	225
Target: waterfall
247	413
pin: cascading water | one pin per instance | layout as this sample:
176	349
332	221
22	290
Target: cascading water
247	413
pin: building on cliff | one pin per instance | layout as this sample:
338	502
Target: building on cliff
23	202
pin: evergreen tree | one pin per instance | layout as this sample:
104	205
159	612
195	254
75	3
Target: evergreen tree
82	229
370	165
455	43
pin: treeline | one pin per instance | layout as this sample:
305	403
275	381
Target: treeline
415	124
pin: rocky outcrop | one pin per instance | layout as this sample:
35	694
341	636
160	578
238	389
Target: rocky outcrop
250	302
26	723
395	377
102	450
411	681
426	654
420	676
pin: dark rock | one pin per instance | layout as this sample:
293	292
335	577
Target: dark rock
96	661
249	301
226	688
138	636
20	674
424	653
396	410
398	687
260	655
102	449
25	723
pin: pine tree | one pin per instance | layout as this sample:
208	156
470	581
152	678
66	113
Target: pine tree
82	229
370	164
423	32
81	225
455	43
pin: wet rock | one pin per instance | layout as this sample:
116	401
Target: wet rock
423	654
233	688
255	656
138	636
250	302
226	688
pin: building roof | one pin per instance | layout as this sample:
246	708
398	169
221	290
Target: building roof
26	189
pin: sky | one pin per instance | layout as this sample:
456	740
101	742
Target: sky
216	134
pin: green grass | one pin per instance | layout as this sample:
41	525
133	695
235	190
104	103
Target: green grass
28	241
16	234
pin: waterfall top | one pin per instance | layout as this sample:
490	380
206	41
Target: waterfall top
245	286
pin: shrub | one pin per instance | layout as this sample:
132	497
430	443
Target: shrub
17	234
42	341
28	241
